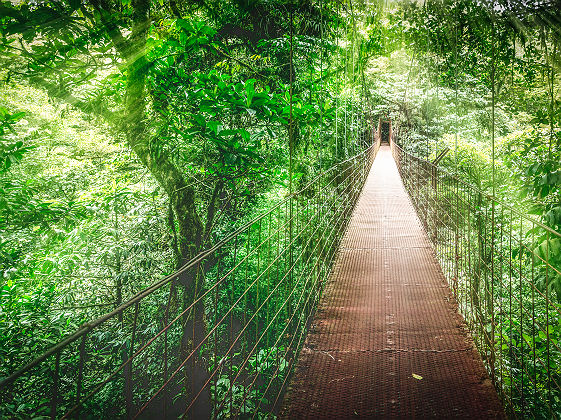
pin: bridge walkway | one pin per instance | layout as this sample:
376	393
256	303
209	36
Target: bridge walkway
387	341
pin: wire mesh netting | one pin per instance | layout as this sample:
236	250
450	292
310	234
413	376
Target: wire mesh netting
503	268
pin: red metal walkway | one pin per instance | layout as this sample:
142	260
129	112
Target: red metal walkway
387	341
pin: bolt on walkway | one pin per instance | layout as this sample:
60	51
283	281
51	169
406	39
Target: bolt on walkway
387	341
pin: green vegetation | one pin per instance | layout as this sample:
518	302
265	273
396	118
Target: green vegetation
489	94
135	135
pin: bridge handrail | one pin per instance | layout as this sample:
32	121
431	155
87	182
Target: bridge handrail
480	191
330	197
88	326
504	270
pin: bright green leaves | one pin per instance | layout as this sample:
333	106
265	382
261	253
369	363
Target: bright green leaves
194	33
213	118
552	217
233	144
546	178
215	127
220	124
199	120
11	150
11	153
250	91
196	28
184	46
55	23
531	160
215	96
7	119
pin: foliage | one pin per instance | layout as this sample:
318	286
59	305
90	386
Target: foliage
489	96
135	134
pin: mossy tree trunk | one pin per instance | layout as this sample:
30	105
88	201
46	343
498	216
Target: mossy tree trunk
186	222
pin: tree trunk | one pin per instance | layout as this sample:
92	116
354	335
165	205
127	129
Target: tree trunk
182	201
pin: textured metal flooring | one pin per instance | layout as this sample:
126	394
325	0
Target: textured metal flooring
387	315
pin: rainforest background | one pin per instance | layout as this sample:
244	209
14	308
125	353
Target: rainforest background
136	134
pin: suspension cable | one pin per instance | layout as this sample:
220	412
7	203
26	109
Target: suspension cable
427	84
343	99
322	86
493	64
456	85
337	87
291	122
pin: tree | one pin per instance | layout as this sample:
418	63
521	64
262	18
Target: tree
151	72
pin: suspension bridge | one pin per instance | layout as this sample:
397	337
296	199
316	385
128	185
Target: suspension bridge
376	290
387	341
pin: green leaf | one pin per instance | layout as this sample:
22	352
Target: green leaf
214	126
245	134
183	38
185	24
199	120
226	133
250	91
17	116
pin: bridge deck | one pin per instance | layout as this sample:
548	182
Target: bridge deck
387	340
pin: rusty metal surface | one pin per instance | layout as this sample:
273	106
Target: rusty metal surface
387	341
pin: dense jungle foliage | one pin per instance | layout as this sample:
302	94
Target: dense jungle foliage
135	134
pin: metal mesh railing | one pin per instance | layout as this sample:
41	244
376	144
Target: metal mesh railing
504	269
218	338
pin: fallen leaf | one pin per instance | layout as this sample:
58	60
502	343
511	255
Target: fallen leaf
419	377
